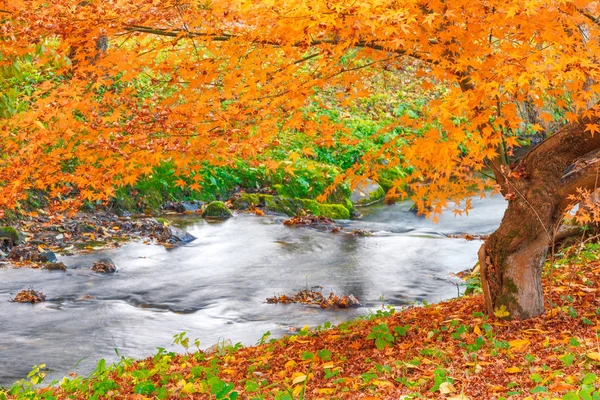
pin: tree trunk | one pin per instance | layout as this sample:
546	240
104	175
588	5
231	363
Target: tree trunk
538	188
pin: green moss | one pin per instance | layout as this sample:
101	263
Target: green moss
510	285
217	209
386	184
291	206
10	233
286	205
246	200
373	197
334	211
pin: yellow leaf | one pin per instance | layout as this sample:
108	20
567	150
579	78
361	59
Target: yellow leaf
326	391
477	330
446	387
297	390
380	383
513	370
290	364
188	388
593	356
39	123
328	365
298	377
501	312
519	344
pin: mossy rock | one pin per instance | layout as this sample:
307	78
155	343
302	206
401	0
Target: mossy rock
334	211
246	200
366	193
11	234
217	209
386	184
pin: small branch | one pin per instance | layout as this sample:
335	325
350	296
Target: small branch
223	37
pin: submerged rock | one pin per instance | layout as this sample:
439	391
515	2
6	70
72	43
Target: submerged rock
367	192
104	266
47	256
177	235
54	266
217	209
29	296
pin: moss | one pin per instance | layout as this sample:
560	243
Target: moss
217	209
286	205
246	200
292	206
510	285
373	197
386	184
334	211
10	233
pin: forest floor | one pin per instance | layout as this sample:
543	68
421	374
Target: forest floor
447	350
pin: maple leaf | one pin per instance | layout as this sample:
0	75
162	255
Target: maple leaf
501	312
592	128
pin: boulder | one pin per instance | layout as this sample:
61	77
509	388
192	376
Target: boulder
54	266
47	256
9	237
367	192
104	266
217	209
178	235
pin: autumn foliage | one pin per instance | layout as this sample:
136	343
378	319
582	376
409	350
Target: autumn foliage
228	76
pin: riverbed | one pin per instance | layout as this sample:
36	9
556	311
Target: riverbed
215	287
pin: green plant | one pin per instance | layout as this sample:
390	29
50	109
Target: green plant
382	336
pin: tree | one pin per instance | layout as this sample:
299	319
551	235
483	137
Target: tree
227	76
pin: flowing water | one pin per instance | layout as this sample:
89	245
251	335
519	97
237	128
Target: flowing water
215	287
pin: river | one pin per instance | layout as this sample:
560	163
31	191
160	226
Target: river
215	287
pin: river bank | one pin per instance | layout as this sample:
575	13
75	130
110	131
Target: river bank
445	350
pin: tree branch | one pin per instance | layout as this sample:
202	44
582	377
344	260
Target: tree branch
224	37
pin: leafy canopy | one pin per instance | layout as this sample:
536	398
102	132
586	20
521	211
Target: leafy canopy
125	85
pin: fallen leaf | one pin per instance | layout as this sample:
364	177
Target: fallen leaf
593	356
519	344
298	377
446	388
513	370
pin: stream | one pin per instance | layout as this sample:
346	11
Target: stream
215	287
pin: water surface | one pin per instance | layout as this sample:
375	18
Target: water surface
215	287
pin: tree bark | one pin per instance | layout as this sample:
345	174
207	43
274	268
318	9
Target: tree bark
538	188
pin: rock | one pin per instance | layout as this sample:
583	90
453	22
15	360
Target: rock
10	234
47	256
178	235
246	200
217	209
104	266
367	192
24	253
54	266
182	206
218	347
29	296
